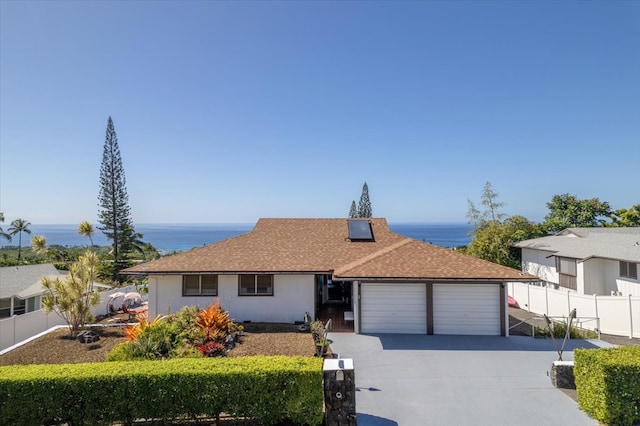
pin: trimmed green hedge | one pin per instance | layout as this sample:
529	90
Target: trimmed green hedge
268	389
608	384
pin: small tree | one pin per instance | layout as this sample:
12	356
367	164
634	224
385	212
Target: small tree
474	215
491	214
86	230
353	212
364	205
73	297
39	244
489	200
494	241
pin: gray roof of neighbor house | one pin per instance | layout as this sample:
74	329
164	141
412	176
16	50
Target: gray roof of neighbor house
24	281
324	246
586	243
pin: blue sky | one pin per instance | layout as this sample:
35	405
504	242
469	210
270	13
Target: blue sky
231	111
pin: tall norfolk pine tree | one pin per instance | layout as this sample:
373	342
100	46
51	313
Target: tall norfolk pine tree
114	213
364	209
353	211
364	205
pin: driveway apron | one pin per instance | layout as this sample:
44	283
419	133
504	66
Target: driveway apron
458	380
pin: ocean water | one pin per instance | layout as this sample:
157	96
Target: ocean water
172	237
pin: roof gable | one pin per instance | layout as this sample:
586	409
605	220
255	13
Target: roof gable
419	260
584	243
16	279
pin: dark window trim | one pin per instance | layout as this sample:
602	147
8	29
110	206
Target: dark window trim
560	271
255	286
200	294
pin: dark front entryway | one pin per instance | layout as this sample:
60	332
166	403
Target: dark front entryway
333	302
339	313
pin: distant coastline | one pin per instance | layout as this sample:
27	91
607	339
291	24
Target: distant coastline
172	237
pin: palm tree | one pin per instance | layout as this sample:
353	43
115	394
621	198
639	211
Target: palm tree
86	230
19	226
2	233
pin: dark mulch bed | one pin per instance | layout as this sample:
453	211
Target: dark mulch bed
58	347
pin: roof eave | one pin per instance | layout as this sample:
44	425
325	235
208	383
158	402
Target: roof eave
234	272
439	279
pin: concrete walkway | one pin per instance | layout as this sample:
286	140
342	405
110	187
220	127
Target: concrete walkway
458	380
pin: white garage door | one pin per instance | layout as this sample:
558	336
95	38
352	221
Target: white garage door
466	309
393	308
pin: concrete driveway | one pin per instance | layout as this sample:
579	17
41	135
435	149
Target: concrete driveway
458	380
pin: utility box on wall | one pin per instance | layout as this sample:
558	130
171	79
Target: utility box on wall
339	392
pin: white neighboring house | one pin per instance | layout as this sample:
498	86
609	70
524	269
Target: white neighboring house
20	288
600	261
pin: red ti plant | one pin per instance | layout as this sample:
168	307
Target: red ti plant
215	323
211	348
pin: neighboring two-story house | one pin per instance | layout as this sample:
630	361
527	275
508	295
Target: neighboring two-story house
600	261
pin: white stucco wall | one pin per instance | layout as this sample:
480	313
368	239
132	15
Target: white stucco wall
293	296
596	277
355	302
537	263
602	276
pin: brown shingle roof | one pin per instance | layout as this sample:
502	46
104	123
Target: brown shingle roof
322	245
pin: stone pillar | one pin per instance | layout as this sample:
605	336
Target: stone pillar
339	392
562	375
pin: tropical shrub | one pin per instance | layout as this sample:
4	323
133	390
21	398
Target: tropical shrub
214	322
73	297
189	333
318	331
184	322
559	330
146	340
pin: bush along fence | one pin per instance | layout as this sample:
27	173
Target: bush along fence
608	384
617	315
267	389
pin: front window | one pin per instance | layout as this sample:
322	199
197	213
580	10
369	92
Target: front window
200	285
567	266
629	270
255	285
33	303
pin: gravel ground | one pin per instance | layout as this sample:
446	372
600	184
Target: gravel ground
58	347
259	339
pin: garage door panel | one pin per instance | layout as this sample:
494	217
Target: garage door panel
393	308
472	309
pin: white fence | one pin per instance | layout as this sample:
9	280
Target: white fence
619	315
21	327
